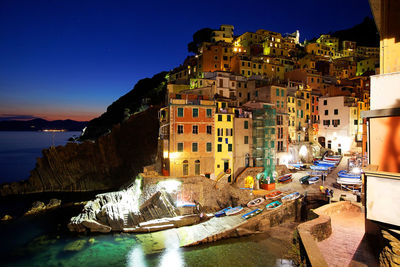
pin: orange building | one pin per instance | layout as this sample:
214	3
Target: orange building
187	136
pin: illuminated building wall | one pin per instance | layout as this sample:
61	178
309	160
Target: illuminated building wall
369	64
243	140
188	149
224	34
224	137
338	123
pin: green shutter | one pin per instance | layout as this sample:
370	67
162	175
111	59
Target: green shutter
180	112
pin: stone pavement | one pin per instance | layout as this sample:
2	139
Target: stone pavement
347	246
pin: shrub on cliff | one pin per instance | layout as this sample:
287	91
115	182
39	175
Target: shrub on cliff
148	91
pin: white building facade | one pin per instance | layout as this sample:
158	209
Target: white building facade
338	123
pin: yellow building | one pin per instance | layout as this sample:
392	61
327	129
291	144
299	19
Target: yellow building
320	50
327	40
225	34
224	139
291	106
369	64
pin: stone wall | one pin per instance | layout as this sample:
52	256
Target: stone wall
106	164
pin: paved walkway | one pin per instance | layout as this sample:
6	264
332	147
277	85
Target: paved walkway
347	246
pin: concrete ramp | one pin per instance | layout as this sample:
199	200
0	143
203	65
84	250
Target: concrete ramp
211	230
219	228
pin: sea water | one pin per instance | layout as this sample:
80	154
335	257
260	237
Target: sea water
19	151
44	240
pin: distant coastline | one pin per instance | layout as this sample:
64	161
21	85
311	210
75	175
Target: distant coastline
42	125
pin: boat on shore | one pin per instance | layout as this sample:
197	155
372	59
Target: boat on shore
320	168
273	205
291	196
297	165
273	195
312	180
234	210
349	181
345	174
304	179
255	202
252	214
285	178
222	212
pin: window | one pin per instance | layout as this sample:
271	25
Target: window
209	113
335	123
180	129
246	124
282	92
229	131
326	122
194	147
325	102
256	93
219	117
195	129
355	122
228	117
282	104
277	103
299	103
277	92
185	167
246	139
326	112
230	147
220	132
307	106
197	167
209	147
336	112
195	113
301	113
219	148
180	147
180	112
209	129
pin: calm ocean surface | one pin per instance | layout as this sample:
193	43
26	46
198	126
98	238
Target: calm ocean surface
42	240
19	150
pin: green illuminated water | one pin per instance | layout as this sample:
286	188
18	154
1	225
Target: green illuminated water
43	241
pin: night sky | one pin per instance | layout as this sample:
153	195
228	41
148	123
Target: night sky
70	59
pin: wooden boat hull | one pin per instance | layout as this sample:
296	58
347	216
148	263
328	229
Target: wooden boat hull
252	214
221	212
291	196
285	178
273	205
234	211
313	180
255	202
273	195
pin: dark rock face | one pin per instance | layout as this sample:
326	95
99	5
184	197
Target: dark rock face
108	163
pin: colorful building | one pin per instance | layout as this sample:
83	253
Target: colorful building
224	139
187	136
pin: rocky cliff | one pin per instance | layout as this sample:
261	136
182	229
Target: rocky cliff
108	163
